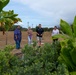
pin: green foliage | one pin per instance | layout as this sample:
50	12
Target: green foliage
66	27
35	61
5	56
3	3
73	73
43	61
10	64
34	43
68	45
8	18
9	48
74	26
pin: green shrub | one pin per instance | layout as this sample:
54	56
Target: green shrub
68	45
35	61
44	60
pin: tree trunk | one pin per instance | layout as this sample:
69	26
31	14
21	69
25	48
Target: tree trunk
6	37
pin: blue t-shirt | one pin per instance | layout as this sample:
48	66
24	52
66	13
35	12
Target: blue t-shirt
17	33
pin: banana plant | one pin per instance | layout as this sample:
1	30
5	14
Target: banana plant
3	3
68	44
8	19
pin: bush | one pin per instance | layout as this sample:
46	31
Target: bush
44	60
35	61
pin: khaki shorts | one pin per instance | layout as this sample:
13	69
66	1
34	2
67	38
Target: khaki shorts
39	38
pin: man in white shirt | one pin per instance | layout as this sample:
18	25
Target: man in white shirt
55	32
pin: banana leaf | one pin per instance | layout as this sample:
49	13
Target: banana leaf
3	4
65	54
73	56
63	36
74	44
73	73
74	26
66	27
63	43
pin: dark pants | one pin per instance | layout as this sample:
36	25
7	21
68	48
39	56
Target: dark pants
18	44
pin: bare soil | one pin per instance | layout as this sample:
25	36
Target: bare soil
10	38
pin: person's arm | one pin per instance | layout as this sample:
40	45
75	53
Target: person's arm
42	31
21	34
52	33
28	32
15	34
37	31
31	32
58	32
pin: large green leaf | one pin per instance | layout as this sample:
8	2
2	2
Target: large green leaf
3	3
63	36
8	18
73	73
65	54
73	56
74	26
8	24
66	27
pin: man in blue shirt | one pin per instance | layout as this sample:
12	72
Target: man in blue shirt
17	37
39	31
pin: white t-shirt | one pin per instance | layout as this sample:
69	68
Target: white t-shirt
54	32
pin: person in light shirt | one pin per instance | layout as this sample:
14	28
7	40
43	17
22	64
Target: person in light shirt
55	31
30	34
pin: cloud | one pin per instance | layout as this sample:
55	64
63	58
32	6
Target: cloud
50	7
53	10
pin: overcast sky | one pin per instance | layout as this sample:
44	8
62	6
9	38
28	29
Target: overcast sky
46	12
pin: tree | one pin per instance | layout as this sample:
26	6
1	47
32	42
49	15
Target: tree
8	19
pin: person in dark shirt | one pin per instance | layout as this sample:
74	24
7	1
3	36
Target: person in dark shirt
17	37
39	34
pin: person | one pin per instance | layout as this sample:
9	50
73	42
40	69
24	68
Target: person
55	31
39	32
17	37
30	35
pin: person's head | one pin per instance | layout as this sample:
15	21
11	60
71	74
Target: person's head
18	26
39	25
29	27
55	27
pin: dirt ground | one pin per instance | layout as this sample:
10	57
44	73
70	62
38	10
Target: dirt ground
46	38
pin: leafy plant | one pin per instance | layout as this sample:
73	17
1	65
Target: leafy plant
43	61
68	45
3	3
7	20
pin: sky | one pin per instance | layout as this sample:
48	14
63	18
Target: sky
45	12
